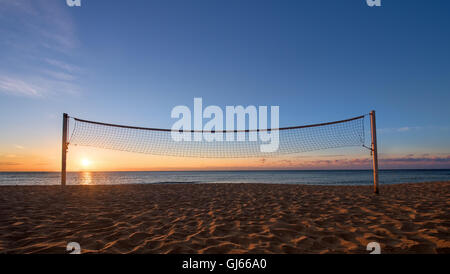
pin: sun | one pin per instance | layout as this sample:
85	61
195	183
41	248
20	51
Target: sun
85	162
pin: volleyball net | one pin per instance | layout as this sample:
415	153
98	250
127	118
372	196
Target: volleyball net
244	143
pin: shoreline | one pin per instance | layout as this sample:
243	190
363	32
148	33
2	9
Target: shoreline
228	183
225	218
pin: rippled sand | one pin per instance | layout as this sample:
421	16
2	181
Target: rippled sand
225	218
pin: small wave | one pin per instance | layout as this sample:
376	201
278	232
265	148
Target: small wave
174	182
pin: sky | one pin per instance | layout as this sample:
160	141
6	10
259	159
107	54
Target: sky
131	62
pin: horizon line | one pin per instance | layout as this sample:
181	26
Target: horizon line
217	170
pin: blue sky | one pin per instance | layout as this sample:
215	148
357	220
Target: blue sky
131	62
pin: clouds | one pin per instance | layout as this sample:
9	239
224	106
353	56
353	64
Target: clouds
45	84
37	48
399	129
8	164
22	161
408	129
17	86
413	159
63	66
385	162
46	22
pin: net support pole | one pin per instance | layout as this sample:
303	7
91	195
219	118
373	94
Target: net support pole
64	148
373	127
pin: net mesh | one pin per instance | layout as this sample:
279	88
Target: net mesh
292	140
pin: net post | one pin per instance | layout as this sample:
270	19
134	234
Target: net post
373	128
64	148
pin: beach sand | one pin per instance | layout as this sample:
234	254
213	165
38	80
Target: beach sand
225	218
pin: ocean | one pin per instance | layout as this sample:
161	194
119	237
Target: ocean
307	177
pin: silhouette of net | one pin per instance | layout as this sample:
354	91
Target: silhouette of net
292	140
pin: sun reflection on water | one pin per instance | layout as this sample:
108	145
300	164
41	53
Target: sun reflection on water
86	178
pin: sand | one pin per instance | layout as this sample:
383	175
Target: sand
225	218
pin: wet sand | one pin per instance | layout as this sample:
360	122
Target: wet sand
225	218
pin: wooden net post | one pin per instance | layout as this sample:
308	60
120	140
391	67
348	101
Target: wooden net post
64	148
374	151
